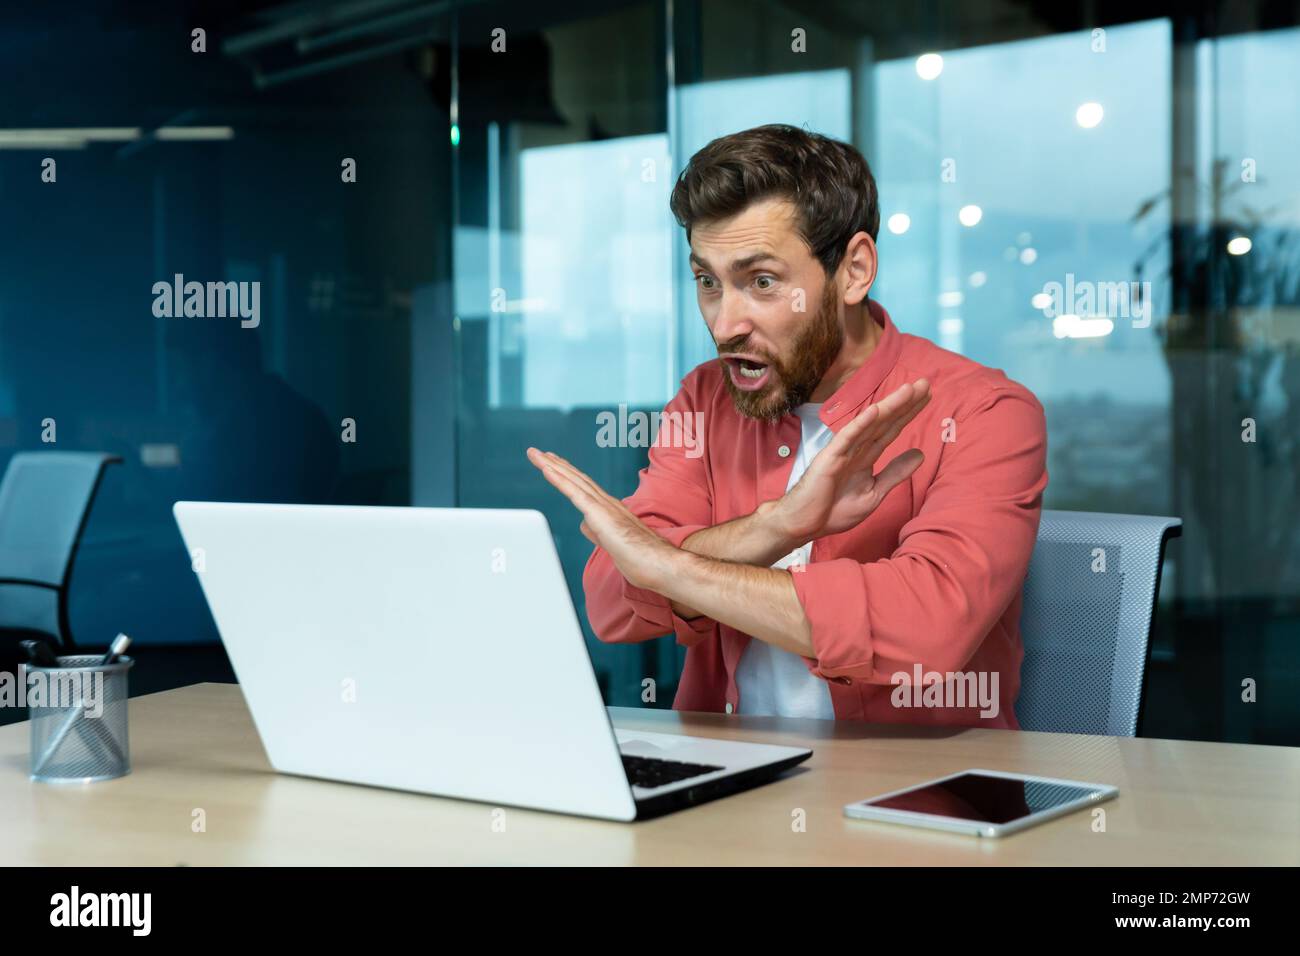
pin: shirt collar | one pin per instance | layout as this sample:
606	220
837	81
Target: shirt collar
862	384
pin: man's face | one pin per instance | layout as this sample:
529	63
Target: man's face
773	313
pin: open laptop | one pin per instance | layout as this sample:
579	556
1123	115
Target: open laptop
436	650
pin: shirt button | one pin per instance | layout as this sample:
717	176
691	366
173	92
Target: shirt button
784	451
730	708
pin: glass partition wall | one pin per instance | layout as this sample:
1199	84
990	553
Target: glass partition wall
1105	210
457	217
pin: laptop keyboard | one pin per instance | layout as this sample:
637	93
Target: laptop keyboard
652	772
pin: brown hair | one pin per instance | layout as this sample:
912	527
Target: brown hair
829	183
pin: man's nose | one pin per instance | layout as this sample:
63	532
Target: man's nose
732	323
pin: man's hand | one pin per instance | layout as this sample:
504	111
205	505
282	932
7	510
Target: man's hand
759	601
640	555
838	491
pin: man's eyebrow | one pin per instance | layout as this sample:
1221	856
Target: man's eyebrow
740	265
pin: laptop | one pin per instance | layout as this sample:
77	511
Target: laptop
436	650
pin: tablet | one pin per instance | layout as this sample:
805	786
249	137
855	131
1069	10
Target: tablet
986	803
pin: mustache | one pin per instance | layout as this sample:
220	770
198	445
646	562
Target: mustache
739	346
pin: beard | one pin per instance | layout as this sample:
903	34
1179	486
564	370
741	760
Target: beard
794	377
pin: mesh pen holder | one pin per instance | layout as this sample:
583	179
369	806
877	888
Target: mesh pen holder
79	723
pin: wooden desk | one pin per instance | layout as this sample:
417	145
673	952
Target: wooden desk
1180	802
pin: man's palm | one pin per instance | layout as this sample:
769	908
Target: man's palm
839	489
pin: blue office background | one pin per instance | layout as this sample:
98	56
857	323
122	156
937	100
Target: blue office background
504	268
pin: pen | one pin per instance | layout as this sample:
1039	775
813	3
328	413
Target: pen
40	653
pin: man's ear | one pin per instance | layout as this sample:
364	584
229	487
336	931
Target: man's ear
859	267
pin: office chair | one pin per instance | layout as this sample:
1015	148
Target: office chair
45	498
1089	602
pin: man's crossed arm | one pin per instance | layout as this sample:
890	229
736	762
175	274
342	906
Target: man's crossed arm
723	572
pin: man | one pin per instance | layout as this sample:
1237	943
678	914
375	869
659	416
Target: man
805	580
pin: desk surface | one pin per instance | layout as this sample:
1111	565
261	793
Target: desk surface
1180	802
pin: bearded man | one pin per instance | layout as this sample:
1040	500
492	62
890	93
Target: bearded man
804	580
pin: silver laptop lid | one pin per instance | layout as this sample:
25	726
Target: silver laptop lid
425	649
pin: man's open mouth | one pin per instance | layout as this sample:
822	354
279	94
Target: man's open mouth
747	373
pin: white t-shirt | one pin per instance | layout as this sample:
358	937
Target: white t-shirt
772	681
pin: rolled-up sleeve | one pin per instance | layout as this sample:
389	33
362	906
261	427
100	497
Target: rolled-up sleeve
960	560
673	497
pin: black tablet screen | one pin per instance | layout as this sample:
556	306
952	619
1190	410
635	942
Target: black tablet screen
973	796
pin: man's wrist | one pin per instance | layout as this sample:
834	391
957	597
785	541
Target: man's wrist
771	520
669	566
672	574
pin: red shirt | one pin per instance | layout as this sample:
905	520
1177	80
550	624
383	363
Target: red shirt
933	577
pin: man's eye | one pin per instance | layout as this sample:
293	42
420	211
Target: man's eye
765	283
706	282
